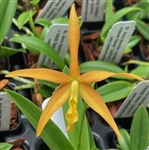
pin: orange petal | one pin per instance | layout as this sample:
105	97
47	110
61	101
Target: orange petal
3	83
94	100
73	40
96	76
43	74
56	101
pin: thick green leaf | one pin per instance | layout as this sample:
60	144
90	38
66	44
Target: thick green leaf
141	71
115	91
40	46
99	65
6	51
116	17
8	9
133	41
73	136
5	146
127	50
143	28
51	134
139	131
109	10
124	143
24	18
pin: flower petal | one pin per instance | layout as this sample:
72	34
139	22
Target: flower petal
94	100
43	74
56	101
96	76
72	113
73	40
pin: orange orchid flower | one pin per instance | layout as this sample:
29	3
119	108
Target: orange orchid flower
72	85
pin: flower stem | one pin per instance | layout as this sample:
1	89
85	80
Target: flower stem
81	125
32	26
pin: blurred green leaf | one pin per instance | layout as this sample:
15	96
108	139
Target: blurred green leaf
24	18
43	22
109	10
54	140
115	91
143	28
99	65
7	51
124	143
8	9
139	132
60	21
5	146
116	17
34	2
133	41
141	71
144	5
41	46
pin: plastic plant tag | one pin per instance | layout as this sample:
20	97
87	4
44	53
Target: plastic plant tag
93	10
55	8
57	117
116	41
5	107
56	37
138	96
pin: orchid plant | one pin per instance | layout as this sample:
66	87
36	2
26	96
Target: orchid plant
71	87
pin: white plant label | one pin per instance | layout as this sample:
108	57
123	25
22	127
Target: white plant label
116	41
93	10
55	8
57	38
5	107
138	96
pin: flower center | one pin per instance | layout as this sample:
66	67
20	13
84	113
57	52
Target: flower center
72	113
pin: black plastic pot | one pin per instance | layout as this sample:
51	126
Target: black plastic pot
103	134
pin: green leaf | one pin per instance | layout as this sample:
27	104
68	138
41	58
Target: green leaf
24	18
133	41
5	146
139	131
144	5
51	134
124	143
109	10
43	22
116	17
40	46
115	91
45	91
99	65
47	83
141	71
34	2
60	21
8	9
7	51
127	50
143	28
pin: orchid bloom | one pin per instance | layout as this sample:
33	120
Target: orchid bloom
73	84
